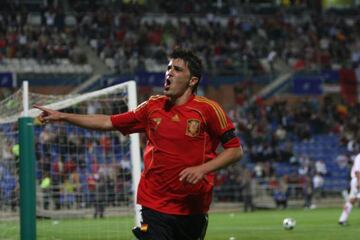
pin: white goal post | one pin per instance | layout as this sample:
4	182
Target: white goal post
135	152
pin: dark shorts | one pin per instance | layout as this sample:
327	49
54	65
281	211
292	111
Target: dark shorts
161	226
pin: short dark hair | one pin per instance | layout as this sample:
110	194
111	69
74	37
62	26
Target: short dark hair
193	62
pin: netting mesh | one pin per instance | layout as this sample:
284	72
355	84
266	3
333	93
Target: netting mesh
12	106
82	176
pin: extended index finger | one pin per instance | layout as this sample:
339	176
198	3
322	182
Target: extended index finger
40	107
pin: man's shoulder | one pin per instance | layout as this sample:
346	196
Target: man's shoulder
154	100
151	102
205	102
157	98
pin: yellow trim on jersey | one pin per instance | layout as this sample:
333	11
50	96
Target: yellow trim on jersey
152	98
219	112
140	106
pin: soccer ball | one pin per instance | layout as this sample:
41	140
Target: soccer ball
289	223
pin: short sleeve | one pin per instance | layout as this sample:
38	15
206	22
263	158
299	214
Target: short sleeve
132	121
219	123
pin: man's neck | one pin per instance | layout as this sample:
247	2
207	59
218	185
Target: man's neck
182	99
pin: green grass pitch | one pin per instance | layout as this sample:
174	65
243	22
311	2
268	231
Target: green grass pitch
314	224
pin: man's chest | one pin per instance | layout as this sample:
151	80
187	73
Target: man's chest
185	123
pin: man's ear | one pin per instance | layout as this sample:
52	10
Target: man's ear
193	81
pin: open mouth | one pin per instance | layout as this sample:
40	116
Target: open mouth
167	84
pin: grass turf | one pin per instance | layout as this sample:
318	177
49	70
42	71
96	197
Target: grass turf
259	225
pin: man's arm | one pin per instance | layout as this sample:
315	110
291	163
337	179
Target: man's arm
95	122
195	174
357	174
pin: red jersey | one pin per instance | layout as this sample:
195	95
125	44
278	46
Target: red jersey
179	136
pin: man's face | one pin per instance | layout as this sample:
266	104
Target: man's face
177	78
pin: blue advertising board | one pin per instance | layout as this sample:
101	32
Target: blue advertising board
153	79
7	80
307	85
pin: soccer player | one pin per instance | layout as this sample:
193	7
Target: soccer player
354	191
183	132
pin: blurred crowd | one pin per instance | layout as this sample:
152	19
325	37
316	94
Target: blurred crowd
227	44
43	36
270	133
130	36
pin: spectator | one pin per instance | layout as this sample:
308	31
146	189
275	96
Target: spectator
280	197
308	191
318	185
343	161
320	167
248	188
56	191
46	190
100	196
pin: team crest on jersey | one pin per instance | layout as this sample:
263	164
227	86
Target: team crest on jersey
193	127
157	122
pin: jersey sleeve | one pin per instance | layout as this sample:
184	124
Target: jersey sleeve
219	123
132	121
232	143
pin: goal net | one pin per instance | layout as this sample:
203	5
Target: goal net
84	178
